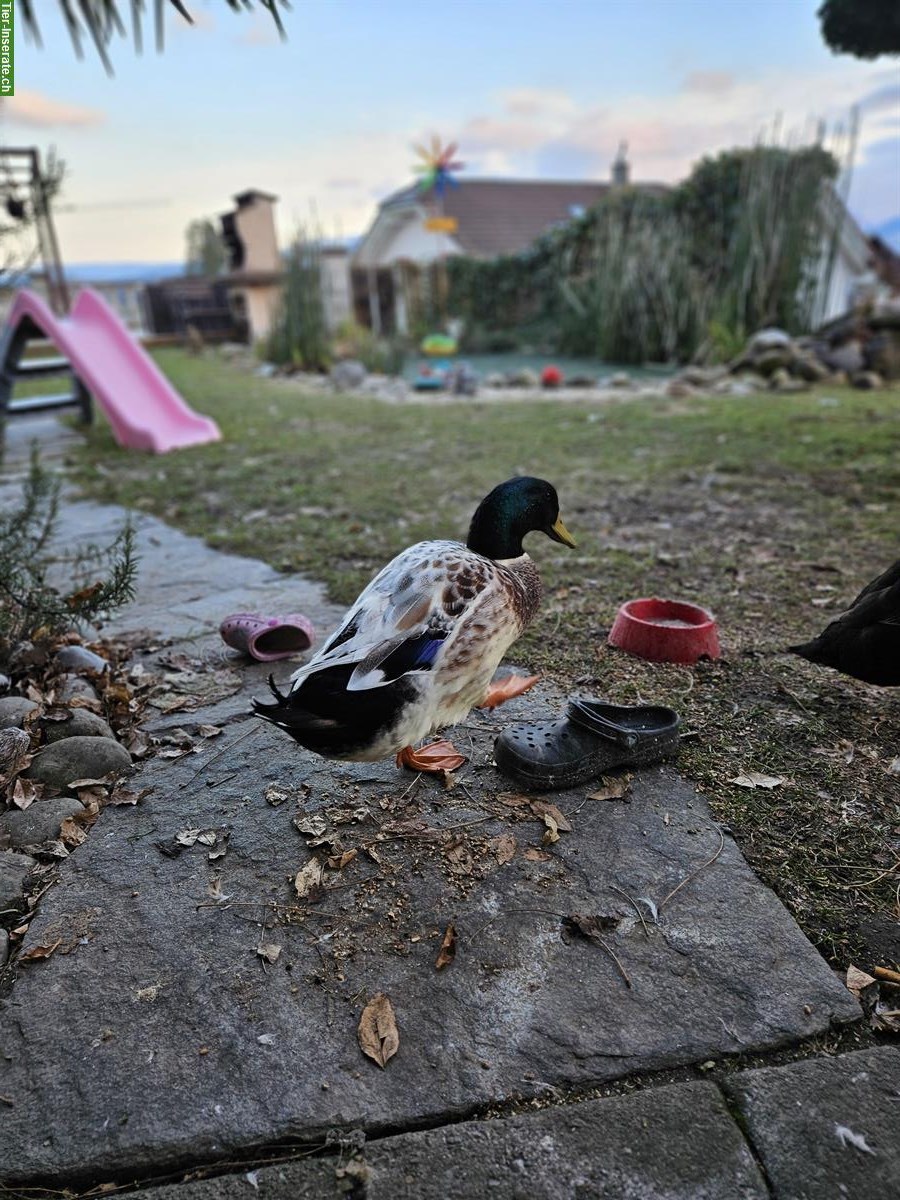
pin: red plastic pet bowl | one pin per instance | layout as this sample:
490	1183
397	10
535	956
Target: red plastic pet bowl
665	631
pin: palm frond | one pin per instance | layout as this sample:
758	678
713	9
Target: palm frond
101	20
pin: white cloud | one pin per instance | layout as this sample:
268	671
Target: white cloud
530	130
39	111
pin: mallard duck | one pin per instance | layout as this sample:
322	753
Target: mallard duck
864	641
421	644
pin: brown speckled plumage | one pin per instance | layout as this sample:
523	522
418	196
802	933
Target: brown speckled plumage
420	646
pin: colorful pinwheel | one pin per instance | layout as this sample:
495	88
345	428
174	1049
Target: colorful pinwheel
437	166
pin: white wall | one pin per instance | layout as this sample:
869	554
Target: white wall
336	290
414	242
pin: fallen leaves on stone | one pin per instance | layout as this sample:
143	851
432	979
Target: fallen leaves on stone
121	796
23	792
310	824
337	862
755	779
503	847
72	833
541	808
64	935
308	880
536	855
883	1013
377	1033
614	788
592	927
189	837
275	794
220	846
447	952
269	951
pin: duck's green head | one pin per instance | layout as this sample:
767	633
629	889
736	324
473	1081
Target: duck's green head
511	510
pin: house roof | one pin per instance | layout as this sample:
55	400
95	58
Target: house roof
500	216
504	216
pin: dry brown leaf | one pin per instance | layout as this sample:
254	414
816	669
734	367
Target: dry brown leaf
38	952
542	809
755	779
269	951
590	925
377	1032
863	986
24	793
310	824
612	789
447	952
275	794
337	862
78	784
536	855
121	795
504	847
308	879
170	704
459	856
210	731
56	713
513	799
72	833
139	744
220	847
551	833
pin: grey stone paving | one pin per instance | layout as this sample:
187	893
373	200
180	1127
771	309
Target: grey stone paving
826	1127
169	1067
157	1038
678	1142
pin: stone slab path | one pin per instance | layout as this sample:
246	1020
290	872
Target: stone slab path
163	1040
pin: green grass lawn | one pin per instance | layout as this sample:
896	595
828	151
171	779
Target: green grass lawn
771	510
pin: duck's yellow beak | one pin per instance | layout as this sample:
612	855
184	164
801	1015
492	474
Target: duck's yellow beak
559	533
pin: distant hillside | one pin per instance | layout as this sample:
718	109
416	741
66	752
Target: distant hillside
85	274
890	232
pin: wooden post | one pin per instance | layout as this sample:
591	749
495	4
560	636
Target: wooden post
374	302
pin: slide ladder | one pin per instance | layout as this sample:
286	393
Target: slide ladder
107	362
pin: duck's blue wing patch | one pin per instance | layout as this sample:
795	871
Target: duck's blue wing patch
415	654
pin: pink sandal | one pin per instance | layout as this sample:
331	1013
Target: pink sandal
267	638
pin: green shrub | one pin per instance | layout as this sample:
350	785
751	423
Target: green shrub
385	355
299	337
33	606
640	276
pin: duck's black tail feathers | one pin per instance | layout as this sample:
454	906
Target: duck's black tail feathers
323	716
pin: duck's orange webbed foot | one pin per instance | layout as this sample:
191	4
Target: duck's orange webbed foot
506	689
436	756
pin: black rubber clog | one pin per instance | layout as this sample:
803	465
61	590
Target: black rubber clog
592	738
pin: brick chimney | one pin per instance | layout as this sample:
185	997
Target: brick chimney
621	171
249	233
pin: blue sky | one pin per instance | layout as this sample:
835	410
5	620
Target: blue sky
326	119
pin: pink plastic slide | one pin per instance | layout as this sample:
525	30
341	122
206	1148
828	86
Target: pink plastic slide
144	410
